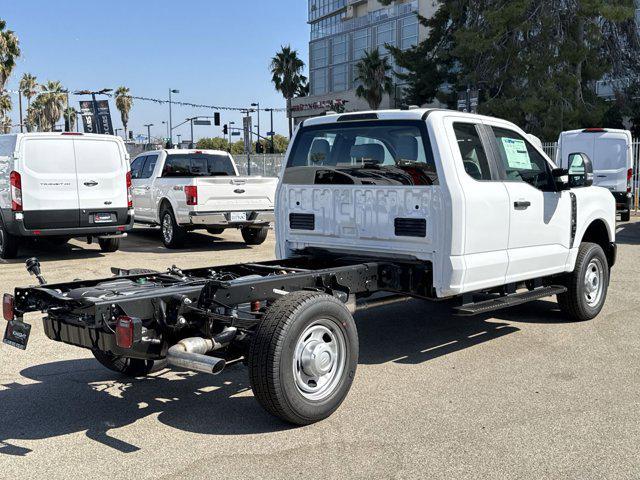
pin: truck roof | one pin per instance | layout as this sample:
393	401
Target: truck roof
172	151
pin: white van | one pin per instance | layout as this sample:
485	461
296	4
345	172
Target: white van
610	151
63	185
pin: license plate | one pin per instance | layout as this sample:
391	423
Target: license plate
102	218
17	334
238	217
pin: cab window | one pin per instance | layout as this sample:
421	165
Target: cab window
520	161
136	167
474	157
149	166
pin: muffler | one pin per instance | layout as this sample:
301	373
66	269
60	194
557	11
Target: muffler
189	353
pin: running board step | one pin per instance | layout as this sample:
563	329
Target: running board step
508	300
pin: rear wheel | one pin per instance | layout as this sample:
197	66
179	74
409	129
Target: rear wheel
130	367
8	244
254	236
109	245
587	285
303	357
173	235
625	216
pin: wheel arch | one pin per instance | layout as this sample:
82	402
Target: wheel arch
162	202
598	232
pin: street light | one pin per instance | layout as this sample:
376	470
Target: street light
257	104
94	105
149	125
179	141
230	130
271	132
165	123
171	90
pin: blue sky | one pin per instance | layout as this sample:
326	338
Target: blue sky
216	52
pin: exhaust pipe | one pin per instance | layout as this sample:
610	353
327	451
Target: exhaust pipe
189	353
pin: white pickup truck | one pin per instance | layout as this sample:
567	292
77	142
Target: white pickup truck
372	207
184	190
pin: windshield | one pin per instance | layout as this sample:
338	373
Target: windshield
382	152
197	165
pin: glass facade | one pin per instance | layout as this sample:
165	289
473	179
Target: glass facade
337	44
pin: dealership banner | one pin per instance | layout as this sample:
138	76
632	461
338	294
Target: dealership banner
96	118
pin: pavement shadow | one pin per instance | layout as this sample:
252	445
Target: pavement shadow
628	233
147	240
48	251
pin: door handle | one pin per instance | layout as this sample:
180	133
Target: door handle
92	183
521	204
147	187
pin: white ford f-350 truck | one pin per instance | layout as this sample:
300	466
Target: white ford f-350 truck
382	206
185	190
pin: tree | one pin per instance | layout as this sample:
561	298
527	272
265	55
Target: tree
215	143
5	104
372	71
237	148
5	124
286	75
70	117
53	99
35	119
9	52
28	87
124	102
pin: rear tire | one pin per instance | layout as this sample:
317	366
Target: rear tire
215	231
109	245
625	216
587	285
254	236
8	244
130	367
173	235
303	357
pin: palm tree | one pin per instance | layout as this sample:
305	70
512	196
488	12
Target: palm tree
124	102
28	87
70	116
286	71
35	118
5	104
9	52
5	124
53	98
373	75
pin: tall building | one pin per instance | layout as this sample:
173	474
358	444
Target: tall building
341	31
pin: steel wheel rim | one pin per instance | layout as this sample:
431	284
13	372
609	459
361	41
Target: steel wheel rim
594	282
167	228
319	359
1	240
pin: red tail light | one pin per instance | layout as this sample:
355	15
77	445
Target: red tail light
192	195
16	192
629	178
129	193
124	332
594	130
71	133
7	307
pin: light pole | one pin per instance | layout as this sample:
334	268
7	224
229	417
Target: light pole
149	125
257	105
117	130
273	146
171	90
179	142
230	130
165	123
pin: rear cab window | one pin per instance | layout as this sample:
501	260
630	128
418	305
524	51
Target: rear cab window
197	165
391	152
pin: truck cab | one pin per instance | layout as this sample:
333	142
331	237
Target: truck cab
470	195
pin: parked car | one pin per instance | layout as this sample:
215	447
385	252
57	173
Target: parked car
185	190
63	185
430	204
610	151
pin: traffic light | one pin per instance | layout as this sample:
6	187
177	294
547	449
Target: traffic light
216	119
225	130
259	147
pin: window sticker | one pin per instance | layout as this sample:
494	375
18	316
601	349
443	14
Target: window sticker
517	154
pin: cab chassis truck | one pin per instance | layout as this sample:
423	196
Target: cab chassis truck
376	207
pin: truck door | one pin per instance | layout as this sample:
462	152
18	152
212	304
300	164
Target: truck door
142	182
484	212
540	217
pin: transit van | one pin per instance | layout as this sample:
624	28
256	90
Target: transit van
610	151
63	185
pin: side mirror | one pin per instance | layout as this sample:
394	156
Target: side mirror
580	170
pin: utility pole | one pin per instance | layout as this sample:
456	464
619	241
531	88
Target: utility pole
257	105
273	146
149	125
171	90
191	120
20	103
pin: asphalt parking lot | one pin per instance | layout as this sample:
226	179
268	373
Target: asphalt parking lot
519	394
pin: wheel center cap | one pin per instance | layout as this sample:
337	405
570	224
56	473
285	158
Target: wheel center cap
317	359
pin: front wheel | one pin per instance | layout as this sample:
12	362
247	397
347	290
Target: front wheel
254	235
587	285
303	357
129	367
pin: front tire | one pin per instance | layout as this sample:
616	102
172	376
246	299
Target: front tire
8	244
129	367
587	285
303	357
109	245
254	236
173	235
